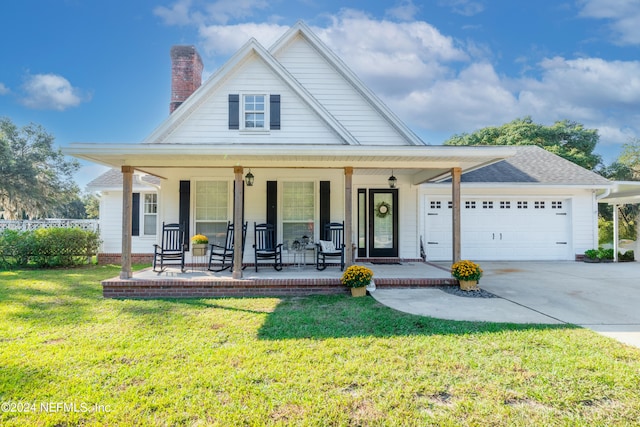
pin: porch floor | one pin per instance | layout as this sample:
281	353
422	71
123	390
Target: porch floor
197	281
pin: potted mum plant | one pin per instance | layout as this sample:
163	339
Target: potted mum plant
357	277
468	274
199	244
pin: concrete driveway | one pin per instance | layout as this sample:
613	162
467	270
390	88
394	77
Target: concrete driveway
602	297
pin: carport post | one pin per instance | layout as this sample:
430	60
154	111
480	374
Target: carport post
455	212
127	219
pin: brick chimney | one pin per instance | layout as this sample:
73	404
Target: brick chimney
186	74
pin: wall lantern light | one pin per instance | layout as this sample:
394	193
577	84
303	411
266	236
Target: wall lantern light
392	180
249	179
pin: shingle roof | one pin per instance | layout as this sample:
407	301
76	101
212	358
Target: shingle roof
532	164
113	179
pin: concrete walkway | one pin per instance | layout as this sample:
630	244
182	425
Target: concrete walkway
602	297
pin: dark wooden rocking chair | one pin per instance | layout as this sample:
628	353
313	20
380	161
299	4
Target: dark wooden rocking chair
332	246
265	245
222	256
172	249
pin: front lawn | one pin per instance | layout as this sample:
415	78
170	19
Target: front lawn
70	357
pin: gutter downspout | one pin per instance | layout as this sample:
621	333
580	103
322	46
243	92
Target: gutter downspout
606	193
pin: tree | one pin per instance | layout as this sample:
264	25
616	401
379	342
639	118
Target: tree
630	157
626	168
91	205
35	179
565	138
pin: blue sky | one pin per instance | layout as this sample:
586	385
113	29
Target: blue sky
94	71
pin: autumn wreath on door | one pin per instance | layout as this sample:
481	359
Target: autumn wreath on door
383	209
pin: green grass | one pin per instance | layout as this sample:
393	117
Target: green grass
332	360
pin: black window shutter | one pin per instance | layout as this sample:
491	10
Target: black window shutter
135	218
272	203
325	206
184	206
274	111
234	111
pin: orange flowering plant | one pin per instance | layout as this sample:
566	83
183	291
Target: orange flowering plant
356	276
199	239
466	270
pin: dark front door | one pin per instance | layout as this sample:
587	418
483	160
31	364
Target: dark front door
383	223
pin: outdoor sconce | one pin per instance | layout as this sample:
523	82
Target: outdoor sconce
248	178
392	180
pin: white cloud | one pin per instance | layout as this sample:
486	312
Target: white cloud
184	12
227	39
222	11
177	14
50	92
441	86
623	17
463	7
405	11
3	89
412	53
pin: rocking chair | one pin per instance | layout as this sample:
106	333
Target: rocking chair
172	248
223	255
332	246
265	245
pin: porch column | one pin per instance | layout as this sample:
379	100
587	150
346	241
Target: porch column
237	223
348	215
455	212
616	233
127	218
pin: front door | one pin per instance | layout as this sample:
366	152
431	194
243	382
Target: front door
383	223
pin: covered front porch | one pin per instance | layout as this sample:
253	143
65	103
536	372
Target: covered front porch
293	280
355	171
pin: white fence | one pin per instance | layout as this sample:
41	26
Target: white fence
25	225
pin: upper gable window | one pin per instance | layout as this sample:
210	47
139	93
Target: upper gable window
254	111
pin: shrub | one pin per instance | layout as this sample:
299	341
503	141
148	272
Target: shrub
591	253
627	256
47	247
605	253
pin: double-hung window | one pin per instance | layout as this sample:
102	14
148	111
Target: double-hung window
150	214
212	210
298	211
254	111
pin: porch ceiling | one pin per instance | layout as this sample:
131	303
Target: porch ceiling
426	162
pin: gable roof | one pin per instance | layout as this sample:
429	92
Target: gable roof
203	92
532	164
112	180
301	29
253	47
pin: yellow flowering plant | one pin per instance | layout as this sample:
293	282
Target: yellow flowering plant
466	270
199	239
356	276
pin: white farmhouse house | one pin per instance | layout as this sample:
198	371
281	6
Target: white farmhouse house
321	147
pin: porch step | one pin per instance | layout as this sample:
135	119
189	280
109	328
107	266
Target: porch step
214	287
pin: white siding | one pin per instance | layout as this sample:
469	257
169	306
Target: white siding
209	123
255	197
111	227
338	96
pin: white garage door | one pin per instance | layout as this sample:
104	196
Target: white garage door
500	229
